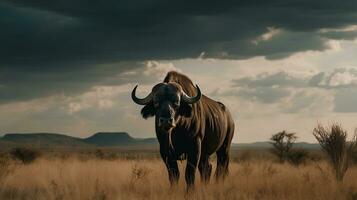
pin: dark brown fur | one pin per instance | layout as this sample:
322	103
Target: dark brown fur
202	128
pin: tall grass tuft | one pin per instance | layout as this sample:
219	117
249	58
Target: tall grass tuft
333	141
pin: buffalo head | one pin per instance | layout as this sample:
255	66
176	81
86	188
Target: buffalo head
167	102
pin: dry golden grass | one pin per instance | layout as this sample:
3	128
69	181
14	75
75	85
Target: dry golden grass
147	179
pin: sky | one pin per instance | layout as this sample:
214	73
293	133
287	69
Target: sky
69	66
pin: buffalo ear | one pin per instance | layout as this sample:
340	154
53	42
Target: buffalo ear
185	110
148	111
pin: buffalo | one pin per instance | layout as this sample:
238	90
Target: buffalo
189	126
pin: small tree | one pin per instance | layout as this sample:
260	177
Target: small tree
333	141
282	143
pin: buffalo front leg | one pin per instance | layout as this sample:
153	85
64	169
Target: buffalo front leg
193	156
173	171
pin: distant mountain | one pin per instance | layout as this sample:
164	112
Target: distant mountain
55	140
112	139
44	140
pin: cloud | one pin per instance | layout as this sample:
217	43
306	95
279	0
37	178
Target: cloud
157	69
268	87
272	32
280	78
27	84
334	90
347	33
339	78
31	84
265	95
150	71
311	101
345	100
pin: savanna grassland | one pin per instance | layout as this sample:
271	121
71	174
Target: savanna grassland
252	176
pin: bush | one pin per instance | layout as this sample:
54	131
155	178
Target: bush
99	154
297	156
25	155
333	141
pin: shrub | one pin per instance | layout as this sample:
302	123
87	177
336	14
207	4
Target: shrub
25	155
138	173
99	154
333	141
282	143
297	156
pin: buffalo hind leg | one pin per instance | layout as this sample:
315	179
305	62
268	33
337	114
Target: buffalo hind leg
205	168
223	158
222	165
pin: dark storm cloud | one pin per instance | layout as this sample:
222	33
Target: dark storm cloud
48	47
30	83
338	35
116	30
